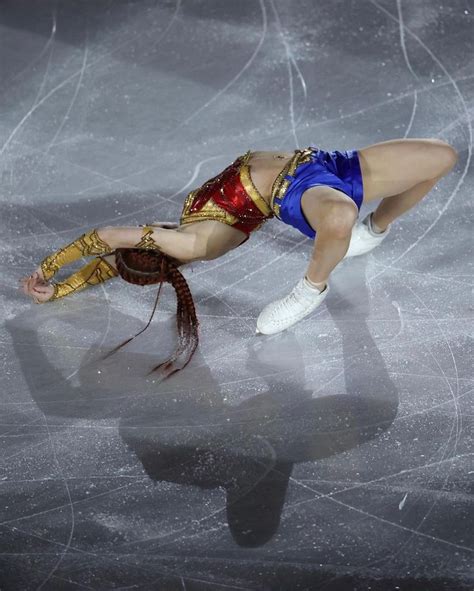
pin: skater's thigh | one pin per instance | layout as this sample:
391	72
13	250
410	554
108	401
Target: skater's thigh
391	167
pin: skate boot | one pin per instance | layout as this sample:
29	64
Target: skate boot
364	238
298	304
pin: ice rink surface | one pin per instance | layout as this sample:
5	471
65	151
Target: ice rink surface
334	456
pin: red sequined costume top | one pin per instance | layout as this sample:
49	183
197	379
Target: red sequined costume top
231	198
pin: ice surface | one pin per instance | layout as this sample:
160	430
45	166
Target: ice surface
337	455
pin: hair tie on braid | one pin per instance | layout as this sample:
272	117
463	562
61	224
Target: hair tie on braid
147	267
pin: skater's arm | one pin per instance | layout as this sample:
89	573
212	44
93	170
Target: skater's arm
97	271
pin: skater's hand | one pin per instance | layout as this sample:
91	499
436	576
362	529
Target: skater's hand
35	287
37	275
42	293
26	283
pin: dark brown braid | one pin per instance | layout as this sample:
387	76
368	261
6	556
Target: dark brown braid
147	267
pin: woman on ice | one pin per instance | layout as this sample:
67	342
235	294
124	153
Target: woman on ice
316	191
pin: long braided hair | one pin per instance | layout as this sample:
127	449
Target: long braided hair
146	267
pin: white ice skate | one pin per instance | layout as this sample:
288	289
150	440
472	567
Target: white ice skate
363	238
282	314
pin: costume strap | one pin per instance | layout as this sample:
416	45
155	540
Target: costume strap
251	189
245	158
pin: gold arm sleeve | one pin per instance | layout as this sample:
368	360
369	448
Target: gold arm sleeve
95	272
87	244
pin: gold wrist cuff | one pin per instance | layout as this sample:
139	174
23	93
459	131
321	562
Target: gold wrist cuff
95	272
87	244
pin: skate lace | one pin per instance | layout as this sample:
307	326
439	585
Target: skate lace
287	303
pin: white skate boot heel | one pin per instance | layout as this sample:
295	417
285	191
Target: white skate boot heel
363	238
282	314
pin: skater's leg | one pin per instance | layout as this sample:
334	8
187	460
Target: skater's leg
332	214
401	172
391	208
393	167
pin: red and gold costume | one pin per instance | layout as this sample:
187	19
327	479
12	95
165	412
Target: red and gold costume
231	198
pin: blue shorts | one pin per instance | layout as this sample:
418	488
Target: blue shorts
339	170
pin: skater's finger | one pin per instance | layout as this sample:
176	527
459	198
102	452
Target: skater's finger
26	286
30	284
36	281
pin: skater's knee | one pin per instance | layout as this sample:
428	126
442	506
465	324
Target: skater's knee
338	220
445	154
450	157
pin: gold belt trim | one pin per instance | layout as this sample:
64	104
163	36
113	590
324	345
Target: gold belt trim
250	188
281	184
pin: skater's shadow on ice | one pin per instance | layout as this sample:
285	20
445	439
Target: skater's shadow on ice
249	448
191	430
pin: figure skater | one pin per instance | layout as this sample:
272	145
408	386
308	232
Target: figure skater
317	192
